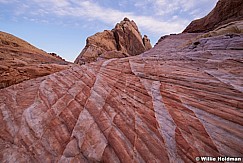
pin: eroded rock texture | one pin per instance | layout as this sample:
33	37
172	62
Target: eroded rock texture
20	61
169	104
122	41
231	28
225	12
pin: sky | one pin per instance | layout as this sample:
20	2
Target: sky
62	26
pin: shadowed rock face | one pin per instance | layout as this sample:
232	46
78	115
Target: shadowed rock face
20	61
146	42
169	104
122	41
225	11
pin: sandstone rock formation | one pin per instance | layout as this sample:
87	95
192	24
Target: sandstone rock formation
146	43
170	104
235	27
122	41
180	100
21	61
225	12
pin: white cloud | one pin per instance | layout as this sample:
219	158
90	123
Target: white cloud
21	9
89	10
171	7
123	3
92	11
5	1
159	27
163	7
57	3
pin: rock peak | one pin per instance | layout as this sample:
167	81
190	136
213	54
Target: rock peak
126	19
122	41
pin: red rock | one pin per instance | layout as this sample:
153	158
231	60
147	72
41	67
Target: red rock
225	11
125	40
180	100
21	61
56	55
146	42
170	104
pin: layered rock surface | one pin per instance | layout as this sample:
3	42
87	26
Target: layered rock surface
170	104
20	61
235	27
225	12
122	41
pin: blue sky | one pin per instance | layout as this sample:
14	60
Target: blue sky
62	26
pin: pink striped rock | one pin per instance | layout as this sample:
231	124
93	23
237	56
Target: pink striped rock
170	104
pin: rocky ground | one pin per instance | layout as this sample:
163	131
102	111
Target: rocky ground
169	104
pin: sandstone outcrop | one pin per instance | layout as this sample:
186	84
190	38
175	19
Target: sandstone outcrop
169	104
146	43
180	100
124	40
235	27
225	12
20	61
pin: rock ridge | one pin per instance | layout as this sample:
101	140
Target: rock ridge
225	11
20	61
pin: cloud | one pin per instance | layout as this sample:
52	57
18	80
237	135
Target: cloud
93	12
171	7
5	1
57	3
159	27
21	9
156	16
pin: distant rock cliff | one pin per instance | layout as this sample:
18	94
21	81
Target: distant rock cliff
225	11
122	41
